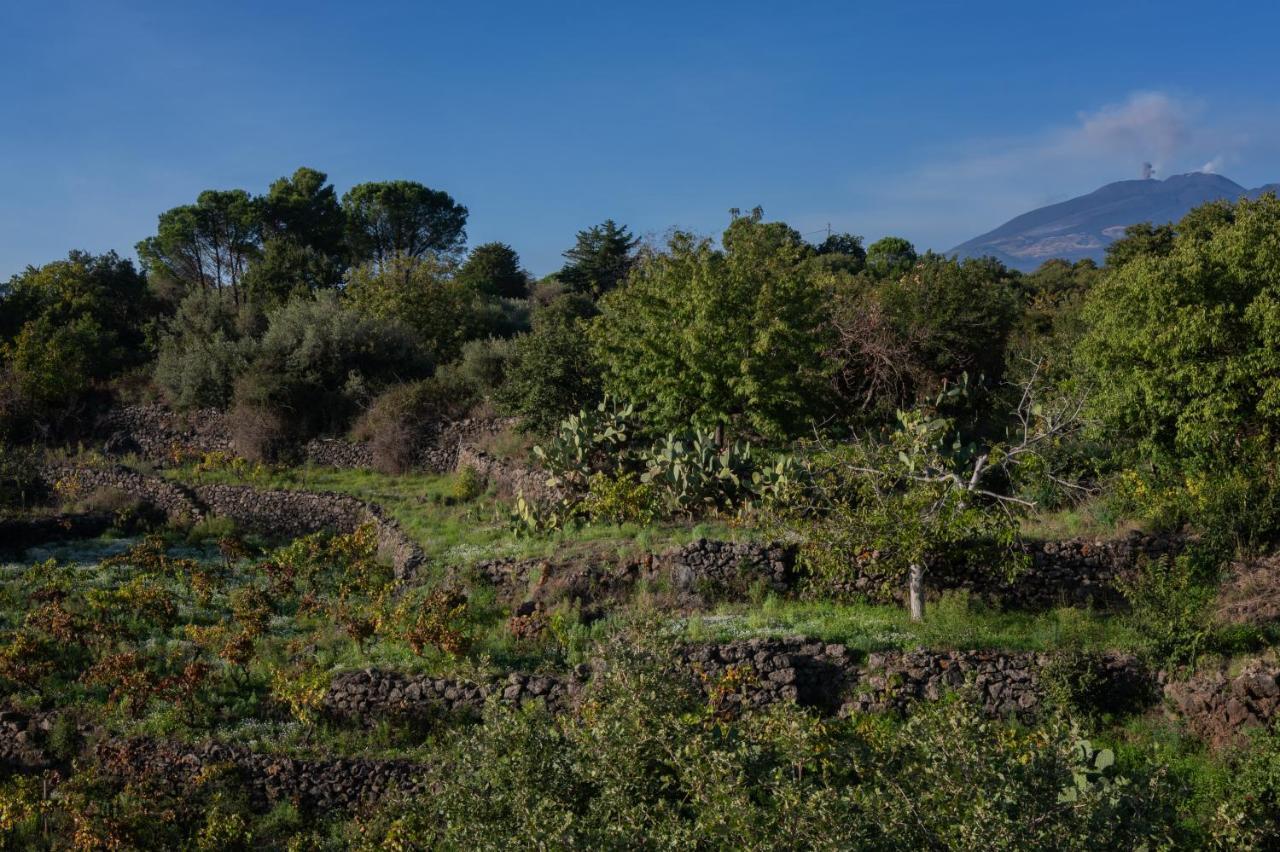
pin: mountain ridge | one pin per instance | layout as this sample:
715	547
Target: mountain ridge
1083	227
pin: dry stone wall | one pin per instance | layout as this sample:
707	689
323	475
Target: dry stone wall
158	434
368	695
274	513
1218	707
176	501
1074	572
828	677
316	786
510	478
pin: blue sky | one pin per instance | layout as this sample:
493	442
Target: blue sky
936	121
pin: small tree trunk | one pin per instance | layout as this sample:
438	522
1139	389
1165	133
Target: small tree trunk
915	593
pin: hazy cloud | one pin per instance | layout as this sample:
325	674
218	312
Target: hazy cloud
980	183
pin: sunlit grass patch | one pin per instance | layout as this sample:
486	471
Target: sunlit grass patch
952	622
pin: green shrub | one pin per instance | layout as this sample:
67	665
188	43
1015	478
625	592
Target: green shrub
1170	601
621	499
552	372
468	484
205	349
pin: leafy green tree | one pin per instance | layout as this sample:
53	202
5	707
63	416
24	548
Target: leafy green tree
304	244
67	325
551	372
1183	353
205	245
47	367
105	288
890	256
494	270
842	253
894	343
422	293
957	315
717	339
600	259
304	208
927	494
1140	239
401	218
288	268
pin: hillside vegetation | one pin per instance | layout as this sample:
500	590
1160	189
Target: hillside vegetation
322	531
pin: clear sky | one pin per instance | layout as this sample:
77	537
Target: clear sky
936	121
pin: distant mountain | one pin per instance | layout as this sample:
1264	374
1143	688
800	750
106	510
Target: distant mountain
1085	226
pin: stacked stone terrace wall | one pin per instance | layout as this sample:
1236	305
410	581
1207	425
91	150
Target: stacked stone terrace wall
316	786
176	501
274	513
154	432
825	676
1074	572
1218	706
510	478
367	695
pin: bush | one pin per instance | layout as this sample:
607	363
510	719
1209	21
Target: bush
205	350
621	499
401	421
320	362
467	485
259	434
1170	599
420	292
656	761
552	373
484	364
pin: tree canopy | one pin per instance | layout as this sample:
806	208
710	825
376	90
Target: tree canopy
402	218
600	259
717	337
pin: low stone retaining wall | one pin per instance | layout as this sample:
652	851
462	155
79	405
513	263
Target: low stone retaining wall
275	513
829	676
1218	707
722	566
364	696
1073	572
698	571
316	786
336	452
156	433
808	672
510	478
176	501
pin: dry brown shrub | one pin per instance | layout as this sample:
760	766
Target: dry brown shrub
1251	593
258	434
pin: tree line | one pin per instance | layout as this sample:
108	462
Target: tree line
306	313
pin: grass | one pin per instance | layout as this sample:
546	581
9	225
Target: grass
1092	519
456	532
954	622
